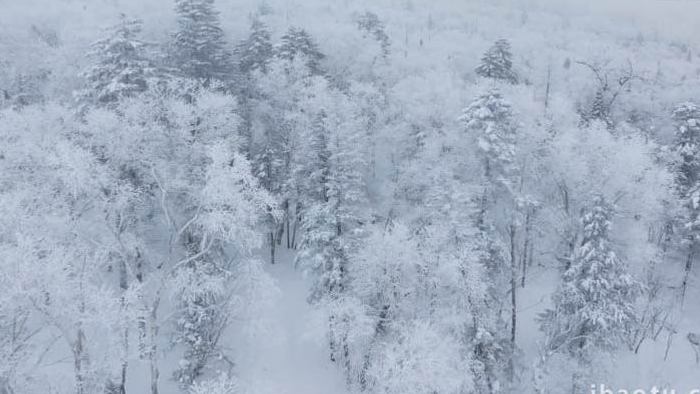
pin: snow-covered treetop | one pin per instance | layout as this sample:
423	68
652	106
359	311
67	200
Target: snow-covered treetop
489	119
121	67
497	63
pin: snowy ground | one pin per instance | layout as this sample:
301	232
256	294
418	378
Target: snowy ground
283	351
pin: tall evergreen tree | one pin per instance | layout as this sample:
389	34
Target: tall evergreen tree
491	347
594	305
490	119
329	201
369	23
331	187
255	52
687	173
687	118
297	42
201	316
199	45
497	63
121	67
599	110
272	170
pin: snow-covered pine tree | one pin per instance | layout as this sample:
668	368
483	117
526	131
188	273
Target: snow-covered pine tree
687	118
313	171
276	104
322	251
321	247
202	314
199	48
271	169
491	346
687	174
121	67
255	52
26	89
600	110
594	305
490	119
369	23
347	144
497	63
471	240
329	197
297	41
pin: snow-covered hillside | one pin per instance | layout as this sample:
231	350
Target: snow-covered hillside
333	196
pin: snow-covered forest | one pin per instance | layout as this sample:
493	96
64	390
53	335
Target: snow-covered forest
343	197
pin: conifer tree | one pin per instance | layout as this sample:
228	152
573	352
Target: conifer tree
490	343
687	118
271	169
122	68
331	192
199	45
297	42
687	173
497	63
201	317
594	305
600	110
255	52
369	23
490	118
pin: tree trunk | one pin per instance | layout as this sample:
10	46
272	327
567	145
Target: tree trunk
141	318
280	229
688	268
669	341
575	383
289	245
513	303
294	231
272	247
546	92
526	247
121	387
80	357
331	339
280	232
523	264
80	361
513	281
539	375
153	354
123	284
